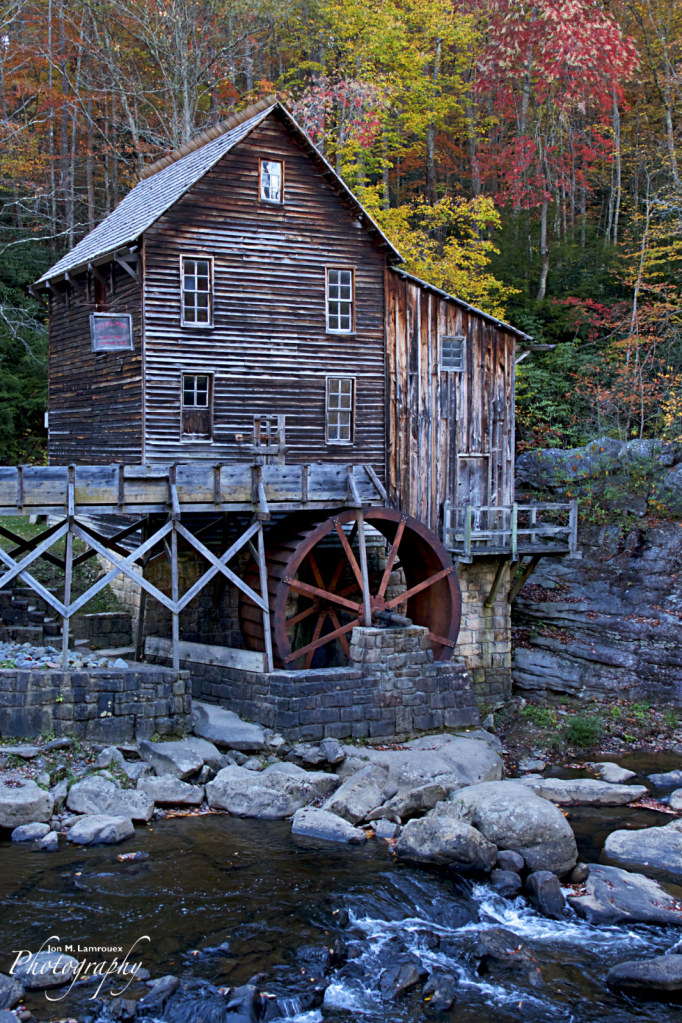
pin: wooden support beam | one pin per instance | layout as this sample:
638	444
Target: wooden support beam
68	575
139	639
38	297
366	599
263	571
77	285
304	483
523	578
95	273
353	496
175	597
497	582
377	482
127	267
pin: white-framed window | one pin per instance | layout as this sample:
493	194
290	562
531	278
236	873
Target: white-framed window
452	353
197	405
340	410
196	274
272	181
340	301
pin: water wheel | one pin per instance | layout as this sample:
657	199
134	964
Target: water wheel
315	586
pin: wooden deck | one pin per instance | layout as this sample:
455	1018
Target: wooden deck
195	487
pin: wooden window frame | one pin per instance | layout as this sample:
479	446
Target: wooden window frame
196	438
211	294
454	337
261	197
333	330
327	410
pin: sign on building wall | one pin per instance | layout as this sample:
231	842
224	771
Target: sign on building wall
111	332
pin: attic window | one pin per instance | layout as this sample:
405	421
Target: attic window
197	292
452	353
272	181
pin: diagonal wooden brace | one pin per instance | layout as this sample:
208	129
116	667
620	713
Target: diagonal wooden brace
219	565
17	567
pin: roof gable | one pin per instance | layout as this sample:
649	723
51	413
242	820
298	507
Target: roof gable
170	178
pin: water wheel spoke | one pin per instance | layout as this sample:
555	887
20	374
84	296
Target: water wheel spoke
337	575
349	552
321	641
441	639
313	591
316	572
392	556
316	635
354	586
419	587
333	617
303	614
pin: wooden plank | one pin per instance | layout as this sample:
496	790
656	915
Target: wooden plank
204	653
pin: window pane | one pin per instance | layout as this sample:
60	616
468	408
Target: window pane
339	409
271	180
340	300
188	391
452	353
196	285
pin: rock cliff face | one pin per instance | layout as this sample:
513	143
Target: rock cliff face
610	623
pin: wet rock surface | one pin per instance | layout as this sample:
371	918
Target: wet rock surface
614	896
322	824
585	791
545	895
654	852
278	791
512	817
452	843
98	829
652	978
11	991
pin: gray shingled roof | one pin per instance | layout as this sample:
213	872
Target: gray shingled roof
149	200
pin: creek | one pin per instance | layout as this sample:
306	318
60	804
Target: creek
215	879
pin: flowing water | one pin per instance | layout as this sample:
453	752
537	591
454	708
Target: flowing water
216	879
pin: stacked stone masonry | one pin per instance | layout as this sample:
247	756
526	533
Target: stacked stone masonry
484	641
101	705
391	689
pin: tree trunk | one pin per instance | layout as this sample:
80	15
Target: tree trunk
89	156
64	163
616	133
431	193
544	252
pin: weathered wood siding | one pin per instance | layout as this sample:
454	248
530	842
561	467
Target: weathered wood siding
95	400
269	350
434	417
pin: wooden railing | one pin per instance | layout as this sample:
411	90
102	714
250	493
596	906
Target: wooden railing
509	529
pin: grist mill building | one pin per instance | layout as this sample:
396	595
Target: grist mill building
297	458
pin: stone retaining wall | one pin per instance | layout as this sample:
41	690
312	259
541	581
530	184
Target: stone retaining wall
100	705
392	689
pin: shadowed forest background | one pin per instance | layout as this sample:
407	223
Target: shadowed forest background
521	155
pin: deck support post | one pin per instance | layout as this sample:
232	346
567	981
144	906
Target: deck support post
524	577
497	582
175	596
139	639
68	562
263	572
363	568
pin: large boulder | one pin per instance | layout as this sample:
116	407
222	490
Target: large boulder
614	896
97	795
585	791
44	969
659	978
552	466
11	992
278	791
653	851
225	728
100	829
30	832
170	791
411	804
447	842
510	815
451	761
23	802
669	780
545	895
92	795
321	824
181	759
611	772
358	796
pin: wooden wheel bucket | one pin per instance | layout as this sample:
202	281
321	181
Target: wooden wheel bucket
315	587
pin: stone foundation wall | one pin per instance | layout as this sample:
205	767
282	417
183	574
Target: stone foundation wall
101	705
107	630
484	641
392	689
